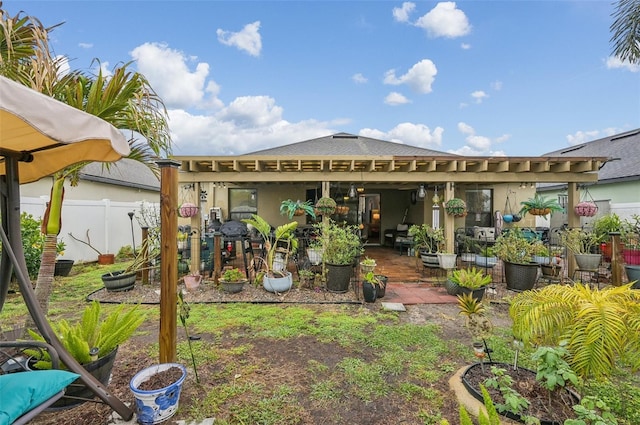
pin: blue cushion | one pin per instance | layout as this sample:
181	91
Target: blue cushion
23	391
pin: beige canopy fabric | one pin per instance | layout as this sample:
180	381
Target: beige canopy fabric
55	134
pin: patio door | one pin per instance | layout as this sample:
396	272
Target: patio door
369	217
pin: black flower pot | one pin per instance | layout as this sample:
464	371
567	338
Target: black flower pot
119	281
369	292
477	294
338	277
520	277
63	267
382	288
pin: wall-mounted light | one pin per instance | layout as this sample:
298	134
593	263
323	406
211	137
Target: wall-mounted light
360	189
523	185
352	191
422	192
532	185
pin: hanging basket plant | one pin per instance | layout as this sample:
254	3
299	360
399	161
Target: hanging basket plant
325	206
587	206
456	207
187	209
586	209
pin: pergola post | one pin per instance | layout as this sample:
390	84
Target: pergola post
168	259
573	220
449	220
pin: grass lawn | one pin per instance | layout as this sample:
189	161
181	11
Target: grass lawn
306	364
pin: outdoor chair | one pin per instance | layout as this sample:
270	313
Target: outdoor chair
26	393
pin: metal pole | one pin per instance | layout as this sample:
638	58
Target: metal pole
133	238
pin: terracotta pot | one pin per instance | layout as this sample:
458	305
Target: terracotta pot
105	259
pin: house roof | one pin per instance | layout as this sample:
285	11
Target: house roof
348	144
623	150
126	172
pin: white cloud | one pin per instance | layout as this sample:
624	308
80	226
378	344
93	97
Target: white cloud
409	133
613	62
401	14
445	20
496	85
85	45
359	78
465	46
478	145
252	111
167	71
419	77
395	98
479	96
583	136
248	39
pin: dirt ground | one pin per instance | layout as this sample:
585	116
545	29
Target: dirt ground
284	362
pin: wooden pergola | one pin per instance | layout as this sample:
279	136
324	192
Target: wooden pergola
390	171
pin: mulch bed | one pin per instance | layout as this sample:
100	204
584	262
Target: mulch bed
209	292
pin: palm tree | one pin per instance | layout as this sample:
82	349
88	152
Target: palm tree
124	99
626	31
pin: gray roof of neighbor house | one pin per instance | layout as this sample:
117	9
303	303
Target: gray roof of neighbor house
126	172
349	144
623	149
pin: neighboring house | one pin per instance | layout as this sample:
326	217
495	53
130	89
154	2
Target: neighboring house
618	187
99	203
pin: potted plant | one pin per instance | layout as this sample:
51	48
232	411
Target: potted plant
540	254
447	260
341	246
427	241
467	246
326	206
93	342
62	266
582	243
367	265
278	244
486	257
307	278
124	280
370	284
468	281
103	259
314	251
539	205
586	209
192	281
515	251
232	280
456	207
604	225
292	208
157	392
187	209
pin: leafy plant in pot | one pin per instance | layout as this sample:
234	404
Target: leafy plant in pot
583	245
468	281
124	280
539	205
292	208
515	250
277	245
233	280
326	206
341	246
93	342
370	283
427	241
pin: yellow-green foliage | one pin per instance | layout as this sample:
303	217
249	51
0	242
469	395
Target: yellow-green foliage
489	418
600	325
81	337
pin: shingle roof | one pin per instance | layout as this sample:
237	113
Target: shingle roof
125	172
349	144
623	149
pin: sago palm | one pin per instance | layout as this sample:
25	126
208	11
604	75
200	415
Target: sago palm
601	326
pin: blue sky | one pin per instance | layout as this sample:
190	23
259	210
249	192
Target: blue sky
517	78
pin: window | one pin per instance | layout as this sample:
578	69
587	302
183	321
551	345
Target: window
479	205
242	203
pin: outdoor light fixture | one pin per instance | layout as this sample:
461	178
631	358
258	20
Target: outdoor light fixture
422	192
352	191
360	189
133	238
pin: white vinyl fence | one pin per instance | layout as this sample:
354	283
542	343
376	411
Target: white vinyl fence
108	222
